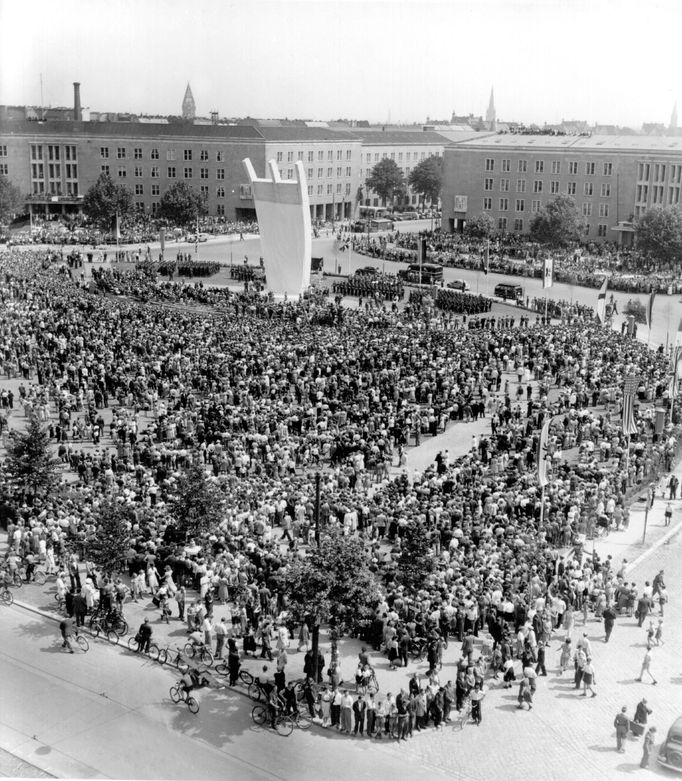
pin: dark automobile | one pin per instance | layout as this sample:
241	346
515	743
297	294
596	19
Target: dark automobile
670	753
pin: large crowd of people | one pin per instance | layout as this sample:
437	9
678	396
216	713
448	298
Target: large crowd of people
263	395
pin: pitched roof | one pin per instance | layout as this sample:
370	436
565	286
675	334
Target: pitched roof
129	130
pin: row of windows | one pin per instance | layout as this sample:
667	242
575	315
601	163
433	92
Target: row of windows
330	189
554	187
590	167
392	156
54	171
520	206
659	170
54	187
502	223
658	193
187	154
311	156
54	152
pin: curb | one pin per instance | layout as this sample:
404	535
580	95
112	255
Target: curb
655	546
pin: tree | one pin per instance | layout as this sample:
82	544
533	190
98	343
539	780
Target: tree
30	464
108	546
415	563
480	226
11	199
104	200
659	233
558	224
386	179
426	178
182	204
197	504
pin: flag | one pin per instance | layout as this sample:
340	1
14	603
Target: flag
629	390
548	276
486	258
676	370
162	239
118	227
543	480
601	302
678	340
650	308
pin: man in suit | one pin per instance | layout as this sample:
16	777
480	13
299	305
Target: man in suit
622	724
359	709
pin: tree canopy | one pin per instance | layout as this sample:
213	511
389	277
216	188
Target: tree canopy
659	233
480	226
386	179
197	504
181	204
104	200
108	546
426	178
416	562
30	465
11	199
558	223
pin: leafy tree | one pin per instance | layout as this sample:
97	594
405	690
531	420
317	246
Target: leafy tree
558	224
108	546
30	464
480	226
197	505
387	180
659	232
181	204
11	199
416	562
104	200
426	178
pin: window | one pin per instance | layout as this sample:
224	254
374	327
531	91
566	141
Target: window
554	187
203	155
311	158
290	173
154	154
349	154
37	171
137	153
520	185
339	154
139	189
280	157
55	188
571	188
156	189
330	155
220	192
589	169
506	166
155	207
330	172
310	189
347	188
103	152
488	184
392	155
320	173
104	169
518	224
502	223
556	166
220	157
573	167
376	157
54	171
487	204
37	152
606	190
320	188
170	154
603	210
535	206
4	169
673	195
587	209
504	185
539	166
657	194
69	153
675	174
53	152
504	204
171	172
72	188
338	187
219	173
320	157
138	171
187	155
348	170
121	153
523	166
338	171
220	210
642	193
659	172
329	189
400	157
588	188
489	164
71	171
188	173
203	173
520	205
309	173
537	186
608	169
290	157
122	173
601	230
204	190
155	172
407	156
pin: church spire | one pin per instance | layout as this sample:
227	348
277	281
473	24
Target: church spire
490	115
188	107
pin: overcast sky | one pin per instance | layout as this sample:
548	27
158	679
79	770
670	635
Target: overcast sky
606	61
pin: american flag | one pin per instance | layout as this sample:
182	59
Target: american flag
629	390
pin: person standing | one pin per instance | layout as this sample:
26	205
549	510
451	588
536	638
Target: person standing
180	599
346	712
144	634
359	709
220	630
622	724
642	712
649	739
609	616
646	667
233	661
588	679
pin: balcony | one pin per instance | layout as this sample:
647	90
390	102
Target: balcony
48	198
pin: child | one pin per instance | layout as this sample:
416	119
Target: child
658	635
565	657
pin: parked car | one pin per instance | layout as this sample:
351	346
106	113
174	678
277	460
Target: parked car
513	292
367	271
458	284
670	753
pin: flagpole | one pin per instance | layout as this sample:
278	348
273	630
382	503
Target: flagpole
350	252
487	266
542	507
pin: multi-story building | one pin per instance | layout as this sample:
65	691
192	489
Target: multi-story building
612	179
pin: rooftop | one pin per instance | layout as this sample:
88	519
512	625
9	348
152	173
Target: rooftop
584	143
128	129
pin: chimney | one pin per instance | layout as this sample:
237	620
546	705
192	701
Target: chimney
77	112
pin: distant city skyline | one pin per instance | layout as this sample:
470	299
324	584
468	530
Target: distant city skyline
601	61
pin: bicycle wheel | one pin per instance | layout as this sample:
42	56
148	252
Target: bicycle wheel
112	637
182	666
83	644
245	677
284	726
7	597
163	656
95	628
189	650
121	627
373	685
259	714
18	580
154	652
40	577
133	644
303	720
206	656
222	669
193	705
254	691
174	693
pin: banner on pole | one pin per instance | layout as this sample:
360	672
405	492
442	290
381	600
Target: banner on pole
629	390
601	302
548	275
543	480
650	308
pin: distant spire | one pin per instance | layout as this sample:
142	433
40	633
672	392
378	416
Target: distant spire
673	118
188	106
490	115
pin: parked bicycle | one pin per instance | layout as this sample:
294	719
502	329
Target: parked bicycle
200	652
283	724
174	657
6	596
135	645
98	630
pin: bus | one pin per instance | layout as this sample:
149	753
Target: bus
427	273
505	291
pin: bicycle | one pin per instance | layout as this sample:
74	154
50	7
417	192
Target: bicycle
12	578
153	652
201	651
6	596
179	693
81	642
284	724
172	657
418	648
256	691
369	685
39	575
97	629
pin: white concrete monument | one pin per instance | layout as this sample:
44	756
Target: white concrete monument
283	211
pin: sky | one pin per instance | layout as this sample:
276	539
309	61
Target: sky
403	61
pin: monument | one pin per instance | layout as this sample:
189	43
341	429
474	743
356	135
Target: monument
283	212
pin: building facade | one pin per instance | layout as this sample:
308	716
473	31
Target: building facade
612	179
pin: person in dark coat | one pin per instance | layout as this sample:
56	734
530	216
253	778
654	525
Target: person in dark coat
80	609
233	661
609	616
